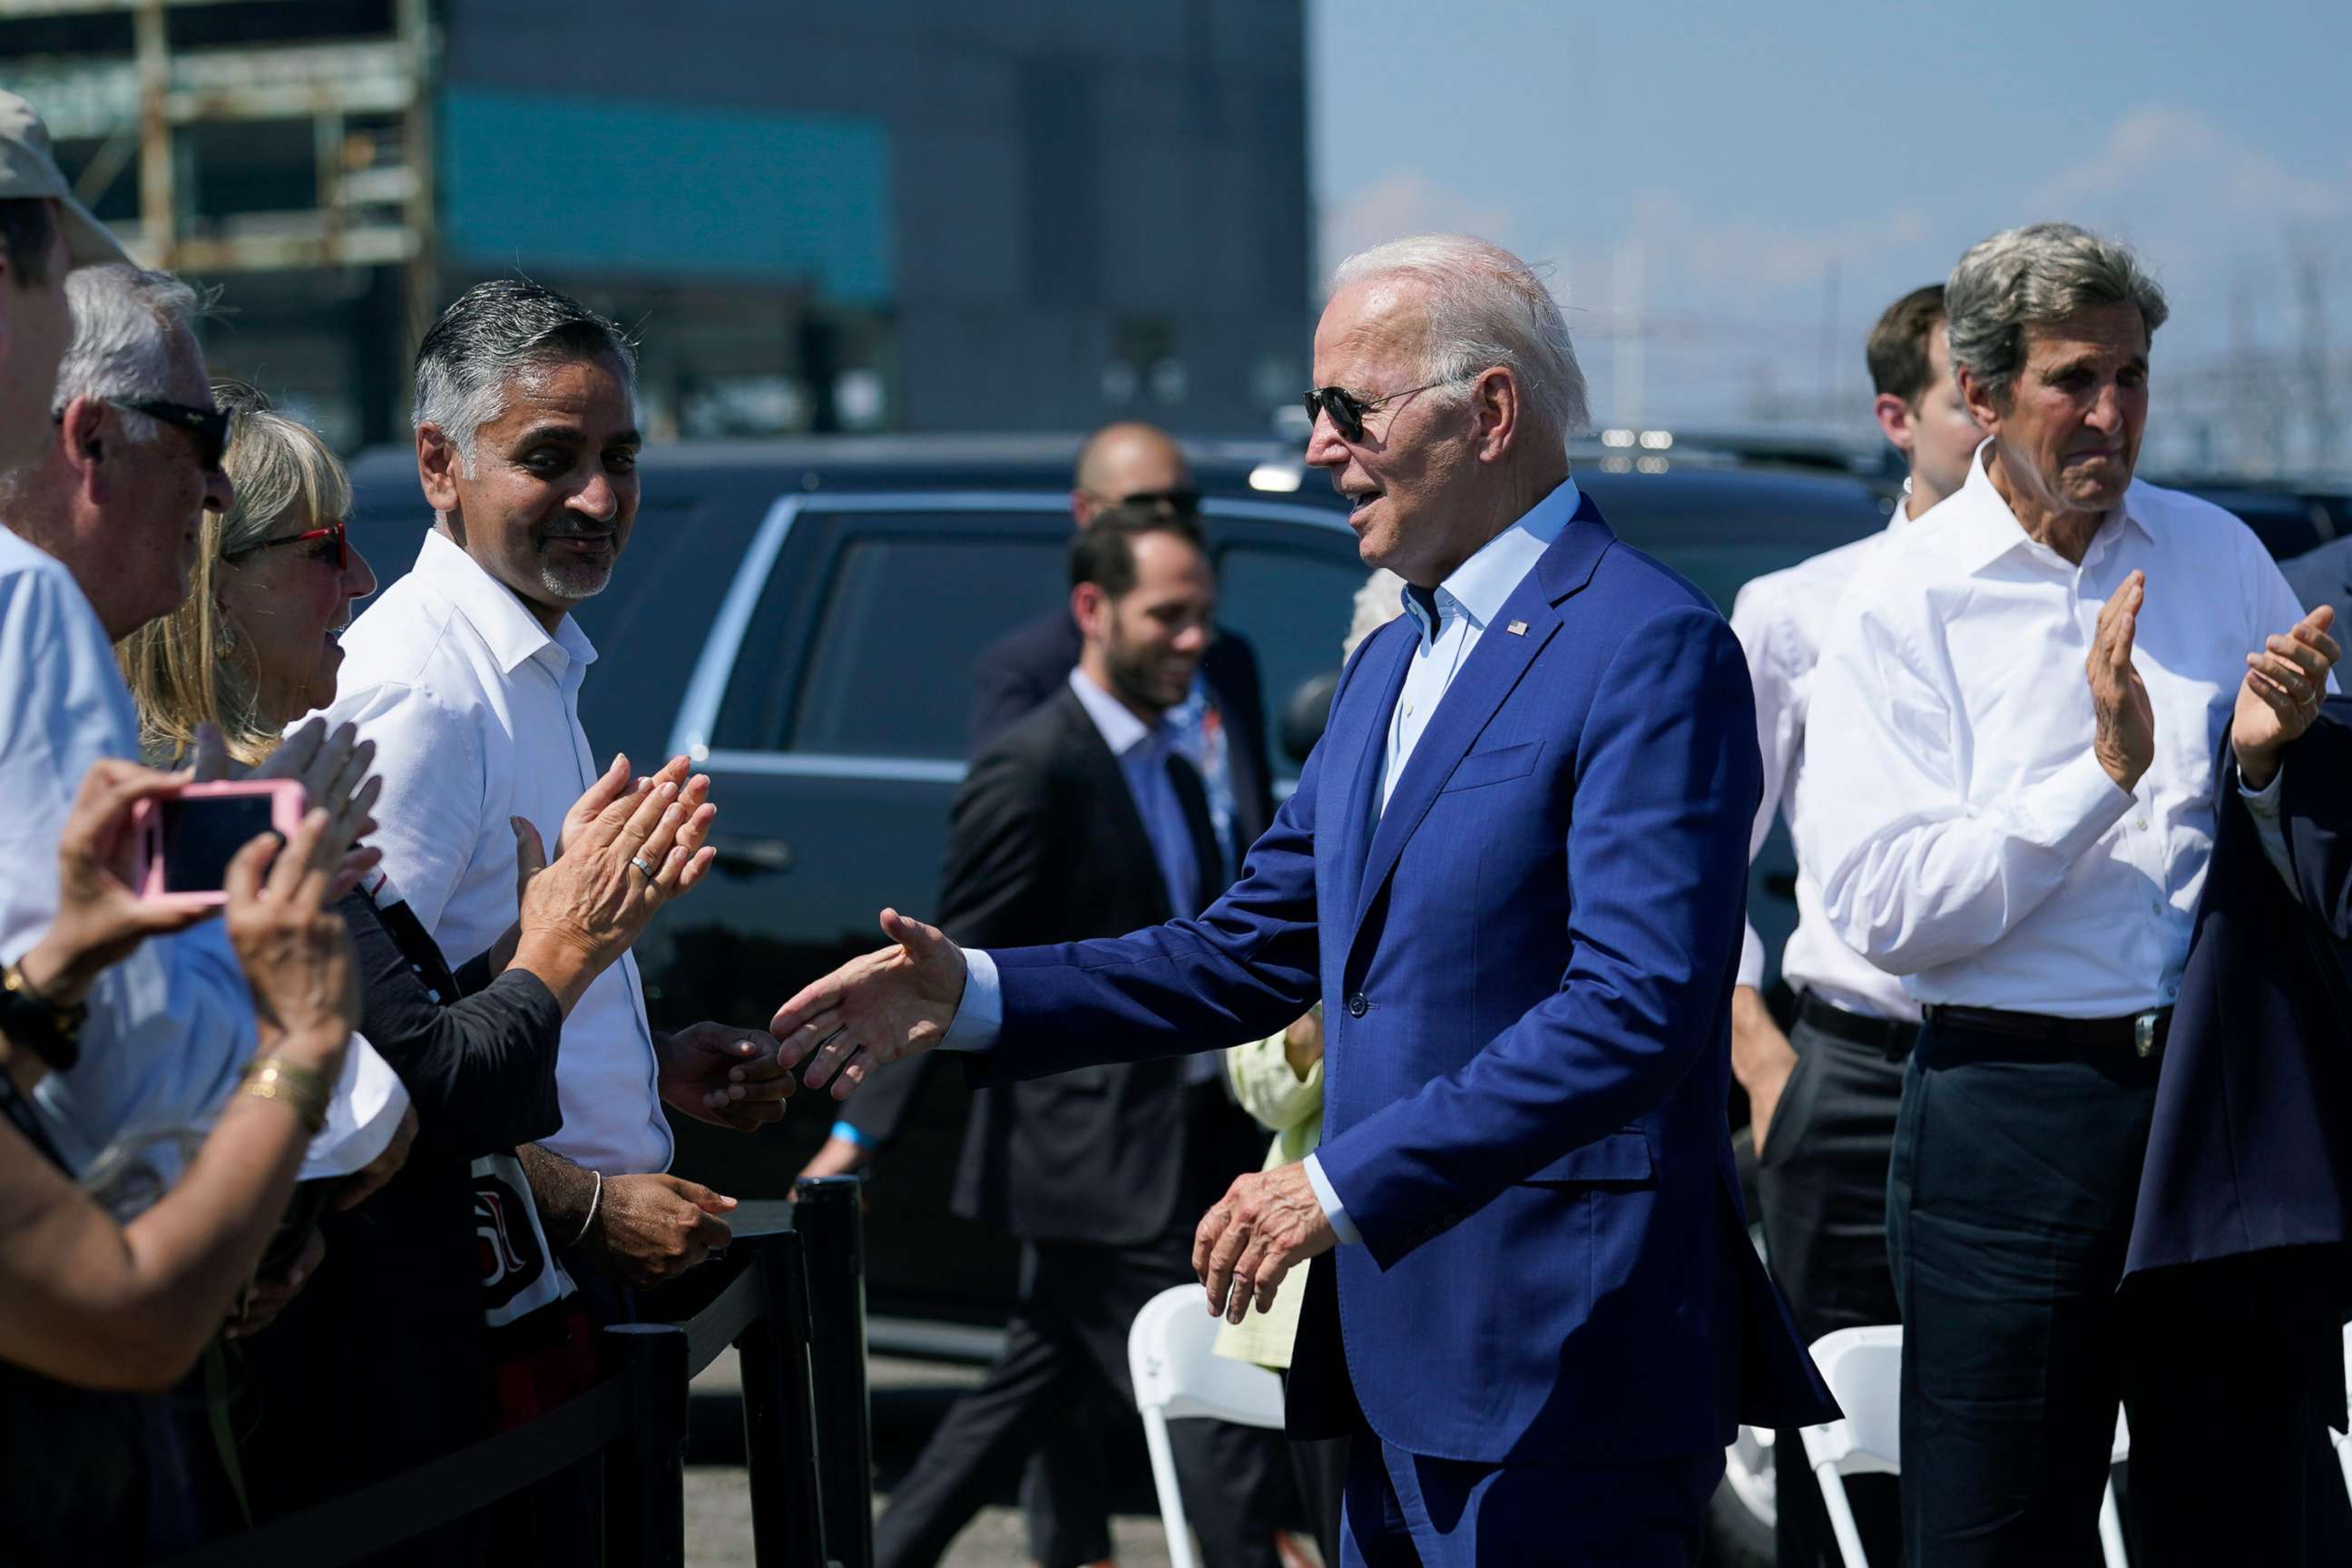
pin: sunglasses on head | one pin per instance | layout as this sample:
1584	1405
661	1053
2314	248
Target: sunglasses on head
1348	410
207	428
339	530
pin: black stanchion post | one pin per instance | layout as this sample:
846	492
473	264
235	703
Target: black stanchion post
644	1472
780	1413
830	1221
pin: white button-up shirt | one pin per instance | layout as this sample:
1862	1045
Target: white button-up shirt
474	709
171	1026
1965	834
1780	618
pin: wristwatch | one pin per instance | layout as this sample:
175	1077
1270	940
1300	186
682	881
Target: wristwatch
50	1032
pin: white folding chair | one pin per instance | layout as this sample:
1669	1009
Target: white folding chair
2344	1444
1177	1374
1864	1368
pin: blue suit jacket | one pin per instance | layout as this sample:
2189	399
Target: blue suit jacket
2250	1148
1527	971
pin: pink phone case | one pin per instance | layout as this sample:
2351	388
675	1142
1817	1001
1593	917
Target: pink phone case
287	800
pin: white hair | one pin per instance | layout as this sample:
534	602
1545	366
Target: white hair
1485	308
2034	275
492	333
127	323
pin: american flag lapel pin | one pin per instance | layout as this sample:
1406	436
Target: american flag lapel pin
1517	628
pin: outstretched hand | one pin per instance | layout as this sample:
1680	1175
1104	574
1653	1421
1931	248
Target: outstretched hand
2281	694
894	1002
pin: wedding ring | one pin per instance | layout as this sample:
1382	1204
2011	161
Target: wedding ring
640	862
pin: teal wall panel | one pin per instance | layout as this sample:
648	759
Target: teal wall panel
663	190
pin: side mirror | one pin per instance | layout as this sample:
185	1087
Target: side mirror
1304	716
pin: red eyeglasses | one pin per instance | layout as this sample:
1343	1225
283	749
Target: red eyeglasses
337	530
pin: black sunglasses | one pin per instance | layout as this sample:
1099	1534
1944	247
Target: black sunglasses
339	530
1348	410
1177	502
207	428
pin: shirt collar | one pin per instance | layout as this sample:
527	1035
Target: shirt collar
1479	585
491	608
1122	732
1986	530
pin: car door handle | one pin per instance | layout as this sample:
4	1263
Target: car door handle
751	856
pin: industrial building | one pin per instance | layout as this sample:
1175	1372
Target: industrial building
901	214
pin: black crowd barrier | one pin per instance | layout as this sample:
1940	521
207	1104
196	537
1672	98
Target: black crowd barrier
792	1304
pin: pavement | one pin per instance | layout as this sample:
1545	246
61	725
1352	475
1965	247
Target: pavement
908	1397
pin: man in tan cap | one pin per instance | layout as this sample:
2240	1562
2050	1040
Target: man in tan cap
44	234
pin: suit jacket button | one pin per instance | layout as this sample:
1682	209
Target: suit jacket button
1357	1005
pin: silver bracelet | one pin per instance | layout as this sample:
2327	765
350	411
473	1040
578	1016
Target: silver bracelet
590	1217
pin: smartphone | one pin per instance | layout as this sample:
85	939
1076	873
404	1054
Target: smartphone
187	838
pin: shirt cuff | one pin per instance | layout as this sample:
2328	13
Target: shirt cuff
2263	806
1329	1196
980	1014
1751	959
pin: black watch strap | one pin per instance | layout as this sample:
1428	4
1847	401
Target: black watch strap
50	1032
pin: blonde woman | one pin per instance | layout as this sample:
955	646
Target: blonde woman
251	650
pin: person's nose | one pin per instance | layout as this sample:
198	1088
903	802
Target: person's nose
1325	449
359	577
2106	412
597	498
1193	637
220	492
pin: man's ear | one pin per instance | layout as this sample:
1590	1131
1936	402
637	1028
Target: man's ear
436	468
86	441
1895	419
1090	607
1982	406
1499	410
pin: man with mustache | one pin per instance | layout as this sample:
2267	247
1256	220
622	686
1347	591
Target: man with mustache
466	674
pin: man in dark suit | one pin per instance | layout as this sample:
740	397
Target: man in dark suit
2324	576
2237	1282
1514	871
1223	719
1085	818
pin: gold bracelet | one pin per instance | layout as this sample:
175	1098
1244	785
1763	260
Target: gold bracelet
305	1091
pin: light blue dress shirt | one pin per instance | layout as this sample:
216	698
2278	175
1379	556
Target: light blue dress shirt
1450	619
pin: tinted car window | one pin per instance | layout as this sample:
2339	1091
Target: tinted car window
904	618
1294	607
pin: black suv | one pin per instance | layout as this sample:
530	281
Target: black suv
802	618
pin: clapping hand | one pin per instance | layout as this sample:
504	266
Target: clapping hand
892	1004
2125	741
2281	694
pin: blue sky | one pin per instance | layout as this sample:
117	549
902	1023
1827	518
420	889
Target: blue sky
1703	170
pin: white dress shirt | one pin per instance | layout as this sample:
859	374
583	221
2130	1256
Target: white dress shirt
1966	836
474	709
1780	619
1455	615
171	1026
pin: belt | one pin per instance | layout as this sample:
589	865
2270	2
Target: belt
2140	1034
1890	1037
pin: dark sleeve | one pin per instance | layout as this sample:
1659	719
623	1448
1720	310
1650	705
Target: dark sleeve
480	1069
998	844
1231	670
2315	805
879	1109
1008	684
